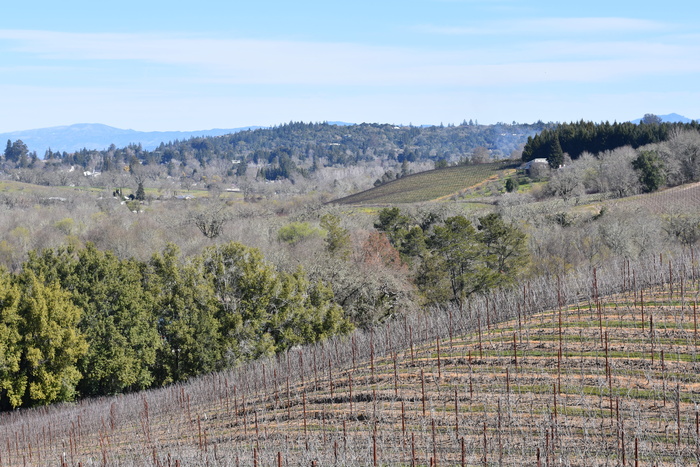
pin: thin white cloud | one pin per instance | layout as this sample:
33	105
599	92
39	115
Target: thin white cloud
551	26
242	61
485	2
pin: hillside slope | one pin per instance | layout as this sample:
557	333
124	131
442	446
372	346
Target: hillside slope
599	369
429	186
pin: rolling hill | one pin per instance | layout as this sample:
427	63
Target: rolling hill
599	368
430	185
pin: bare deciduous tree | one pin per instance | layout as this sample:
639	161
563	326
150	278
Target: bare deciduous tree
682	157
210	219
566	183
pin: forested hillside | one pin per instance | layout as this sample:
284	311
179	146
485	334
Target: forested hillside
298	145
576	138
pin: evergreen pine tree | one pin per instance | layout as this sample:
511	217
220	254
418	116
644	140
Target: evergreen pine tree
556	155
140	192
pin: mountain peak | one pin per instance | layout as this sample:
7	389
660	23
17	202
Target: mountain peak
669	118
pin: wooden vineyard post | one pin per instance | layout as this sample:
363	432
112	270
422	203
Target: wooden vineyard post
641	301
301	367
449	310
663	376
600	321
413	449
199	430
697	433
507	382
595	285
403	419
396	378
478	326
353	352
678	412
485	458
695	321
488	317
651	337
437	342
554	396
265	379
435	457
456	413
245	415
622	442
471	388
289	401
422	388
303	402
374	446
228	407
371	352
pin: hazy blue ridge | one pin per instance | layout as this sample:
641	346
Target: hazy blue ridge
670	118
97	136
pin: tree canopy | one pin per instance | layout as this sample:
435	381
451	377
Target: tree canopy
82	322
453	259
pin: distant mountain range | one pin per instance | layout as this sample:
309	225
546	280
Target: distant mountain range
670	118
96	136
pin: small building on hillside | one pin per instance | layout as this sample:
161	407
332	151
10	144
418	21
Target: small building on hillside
528	166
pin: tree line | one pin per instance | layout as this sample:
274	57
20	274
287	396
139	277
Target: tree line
578	137
82	322
626	171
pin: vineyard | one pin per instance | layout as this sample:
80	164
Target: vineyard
430	185
598	368
659	202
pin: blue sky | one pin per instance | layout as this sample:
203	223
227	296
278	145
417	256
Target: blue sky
156	65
